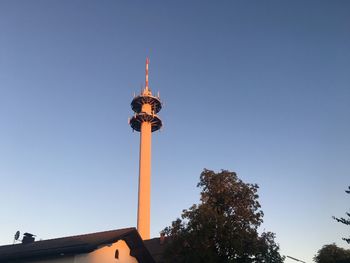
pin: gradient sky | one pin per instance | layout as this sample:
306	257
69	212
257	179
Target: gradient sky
256	87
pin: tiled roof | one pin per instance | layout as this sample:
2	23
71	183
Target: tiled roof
65	246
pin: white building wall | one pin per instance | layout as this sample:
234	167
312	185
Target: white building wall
104	254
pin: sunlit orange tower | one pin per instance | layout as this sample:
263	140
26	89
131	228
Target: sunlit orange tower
145	120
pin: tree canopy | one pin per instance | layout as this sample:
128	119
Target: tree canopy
343	220
332	254
223	227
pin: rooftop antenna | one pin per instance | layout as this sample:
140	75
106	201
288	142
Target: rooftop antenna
16	237
296	259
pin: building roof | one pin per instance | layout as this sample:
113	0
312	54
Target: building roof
156	247
66	246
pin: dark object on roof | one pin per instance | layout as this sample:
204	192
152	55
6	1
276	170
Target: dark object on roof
73	245
28	238
16	237
156	247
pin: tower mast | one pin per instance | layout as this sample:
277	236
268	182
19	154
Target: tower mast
145	120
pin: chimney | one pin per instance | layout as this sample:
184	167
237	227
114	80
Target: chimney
28	238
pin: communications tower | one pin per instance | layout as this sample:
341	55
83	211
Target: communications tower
145	120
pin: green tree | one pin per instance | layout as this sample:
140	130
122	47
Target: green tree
332	254
223	226
344	220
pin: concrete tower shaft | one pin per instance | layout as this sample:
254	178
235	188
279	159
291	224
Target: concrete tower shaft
145	121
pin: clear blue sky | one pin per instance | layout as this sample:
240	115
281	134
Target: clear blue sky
256	87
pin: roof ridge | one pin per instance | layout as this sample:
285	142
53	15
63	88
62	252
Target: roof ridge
76	244
94	233
73	236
